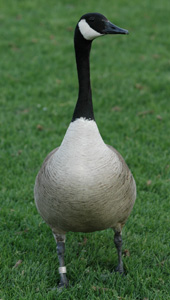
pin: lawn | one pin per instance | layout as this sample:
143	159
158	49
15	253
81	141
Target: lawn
38	90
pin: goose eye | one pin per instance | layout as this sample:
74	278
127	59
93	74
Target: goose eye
91	19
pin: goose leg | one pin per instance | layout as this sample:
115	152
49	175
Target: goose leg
60	240
118	243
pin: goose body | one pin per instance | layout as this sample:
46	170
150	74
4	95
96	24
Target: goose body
85	185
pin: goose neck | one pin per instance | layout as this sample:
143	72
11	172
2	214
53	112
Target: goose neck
84	106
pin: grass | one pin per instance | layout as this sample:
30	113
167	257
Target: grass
131	87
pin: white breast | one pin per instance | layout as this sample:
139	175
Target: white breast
83	155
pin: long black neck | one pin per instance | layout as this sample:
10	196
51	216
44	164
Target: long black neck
84	105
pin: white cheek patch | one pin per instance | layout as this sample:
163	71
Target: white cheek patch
87	32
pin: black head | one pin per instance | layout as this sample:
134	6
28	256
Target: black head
93	25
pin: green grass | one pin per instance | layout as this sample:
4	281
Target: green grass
131	89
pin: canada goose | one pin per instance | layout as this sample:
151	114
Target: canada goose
85	185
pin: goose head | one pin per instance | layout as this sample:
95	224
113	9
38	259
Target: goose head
93	25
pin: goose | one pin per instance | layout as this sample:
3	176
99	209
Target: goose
84	185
